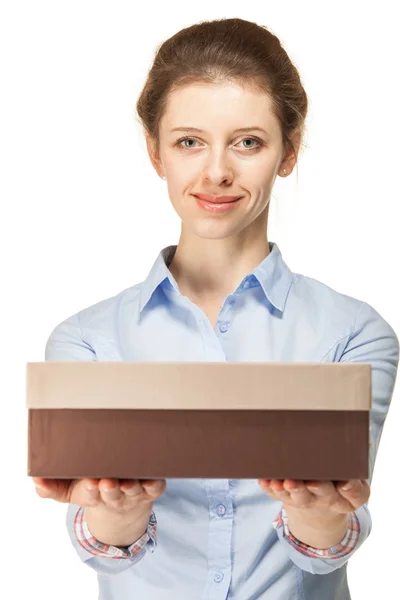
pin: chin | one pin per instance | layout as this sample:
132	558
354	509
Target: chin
212	231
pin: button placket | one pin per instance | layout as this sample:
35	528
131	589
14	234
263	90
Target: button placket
224	325
220	537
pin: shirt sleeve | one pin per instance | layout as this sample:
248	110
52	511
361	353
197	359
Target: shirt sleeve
345	546
92	545
67	342
372	341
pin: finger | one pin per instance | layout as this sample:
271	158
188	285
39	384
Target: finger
154	487
131	488
43	488
277	485
366	490
325	494
274	489
110	491
322	488
350	485
90	492
41	483
51	488
355	491
300	495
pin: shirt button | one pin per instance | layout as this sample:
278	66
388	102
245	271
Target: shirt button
223	327
246	284
221	510
218	577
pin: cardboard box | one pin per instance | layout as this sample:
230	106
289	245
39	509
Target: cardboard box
153	420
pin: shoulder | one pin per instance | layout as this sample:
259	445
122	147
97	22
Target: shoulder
345	314
105	310
97	320
308	289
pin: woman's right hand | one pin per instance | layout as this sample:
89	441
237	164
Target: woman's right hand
120	495
117	511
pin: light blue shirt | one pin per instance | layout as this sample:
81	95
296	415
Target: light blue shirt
215	538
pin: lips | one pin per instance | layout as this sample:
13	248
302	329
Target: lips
217	199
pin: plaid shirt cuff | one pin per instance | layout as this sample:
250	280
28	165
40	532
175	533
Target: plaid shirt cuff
92	545
346	545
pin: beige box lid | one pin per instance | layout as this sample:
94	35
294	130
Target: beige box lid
199	385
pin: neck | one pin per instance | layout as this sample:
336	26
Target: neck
207	269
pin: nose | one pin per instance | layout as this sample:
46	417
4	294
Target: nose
217	168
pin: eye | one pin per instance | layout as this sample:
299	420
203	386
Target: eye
185	139
259	143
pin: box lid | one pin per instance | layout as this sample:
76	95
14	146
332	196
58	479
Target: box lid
199	385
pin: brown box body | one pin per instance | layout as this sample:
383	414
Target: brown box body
194	420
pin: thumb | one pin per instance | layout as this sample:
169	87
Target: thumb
51	488
44	487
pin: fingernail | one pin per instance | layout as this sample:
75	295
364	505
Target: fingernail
107	489
150	486
90	487
347	487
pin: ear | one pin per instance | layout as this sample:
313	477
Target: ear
154	158
289	160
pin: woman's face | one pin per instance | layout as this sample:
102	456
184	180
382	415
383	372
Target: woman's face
218	159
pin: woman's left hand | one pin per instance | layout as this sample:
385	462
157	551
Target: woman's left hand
318	494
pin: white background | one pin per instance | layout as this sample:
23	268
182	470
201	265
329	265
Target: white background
84	215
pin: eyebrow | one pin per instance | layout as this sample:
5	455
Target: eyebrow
241	129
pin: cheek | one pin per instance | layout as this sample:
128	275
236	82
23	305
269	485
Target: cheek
260	174
181	200
258	180
180	179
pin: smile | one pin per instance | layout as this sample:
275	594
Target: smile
217	208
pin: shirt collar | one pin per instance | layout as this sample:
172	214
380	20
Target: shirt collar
273	275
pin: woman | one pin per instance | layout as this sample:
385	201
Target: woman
223	111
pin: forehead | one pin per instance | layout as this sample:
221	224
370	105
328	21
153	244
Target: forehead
221	105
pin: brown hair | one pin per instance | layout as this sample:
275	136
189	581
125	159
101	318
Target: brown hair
224	50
